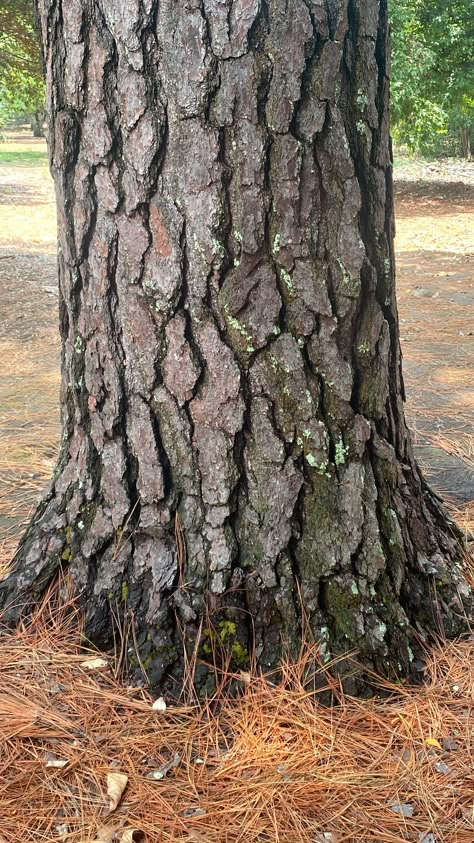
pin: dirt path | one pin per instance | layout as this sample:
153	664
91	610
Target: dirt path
435	255
29	342
435	261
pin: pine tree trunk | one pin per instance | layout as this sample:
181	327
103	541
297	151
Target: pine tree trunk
231	358
37	121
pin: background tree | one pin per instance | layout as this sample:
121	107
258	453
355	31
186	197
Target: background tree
21	76
234	443
433	75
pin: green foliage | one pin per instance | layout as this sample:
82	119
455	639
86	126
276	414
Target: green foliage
432	73
21	78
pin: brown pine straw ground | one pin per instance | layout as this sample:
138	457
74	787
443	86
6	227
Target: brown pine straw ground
269	765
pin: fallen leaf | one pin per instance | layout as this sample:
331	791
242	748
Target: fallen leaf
52	761
56	688
131	835
94	663
441	767
159	705
193	812
162	771
116	784
449	744
245	677
433	742
283	772
403	808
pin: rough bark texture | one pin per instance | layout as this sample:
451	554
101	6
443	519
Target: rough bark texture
230	341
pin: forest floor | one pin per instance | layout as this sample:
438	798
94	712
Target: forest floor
75	742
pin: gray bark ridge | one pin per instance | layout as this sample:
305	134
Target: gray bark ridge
231	354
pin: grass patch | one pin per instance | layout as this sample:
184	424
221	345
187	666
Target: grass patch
18	156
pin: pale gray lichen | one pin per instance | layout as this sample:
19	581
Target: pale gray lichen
198	247
240	328
276	244
287	279
379	631
340	452
362	99
78	344
218	248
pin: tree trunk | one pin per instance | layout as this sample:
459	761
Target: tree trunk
37	123
231	361
466	142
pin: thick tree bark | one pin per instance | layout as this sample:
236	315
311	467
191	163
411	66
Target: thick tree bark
230	342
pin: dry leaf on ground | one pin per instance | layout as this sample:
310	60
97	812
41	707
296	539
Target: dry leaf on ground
116	784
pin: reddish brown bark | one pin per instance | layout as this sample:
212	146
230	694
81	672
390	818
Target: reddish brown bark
229	325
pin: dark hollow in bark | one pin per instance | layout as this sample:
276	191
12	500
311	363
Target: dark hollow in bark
230	342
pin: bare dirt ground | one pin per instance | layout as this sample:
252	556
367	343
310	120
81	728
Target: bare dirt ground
435	256
29	341
435	282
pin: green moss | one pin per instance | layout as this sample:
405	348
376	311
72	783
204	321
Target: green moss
239	653
66	555
147	662
224	635
124	591
341	605
226	629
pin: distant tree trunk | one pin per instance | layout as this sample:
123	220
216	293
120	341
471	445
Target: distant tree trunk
466	142
231	358
37	123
